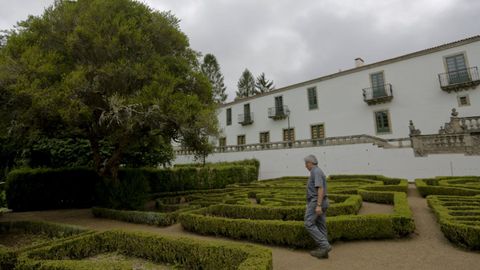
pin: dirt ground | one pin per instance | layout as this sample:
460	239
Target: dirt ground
426	249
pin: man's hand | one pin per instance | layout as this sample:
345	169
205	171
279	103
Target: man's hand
318	210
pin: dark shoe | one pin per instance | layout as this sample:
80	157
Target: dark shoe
319	253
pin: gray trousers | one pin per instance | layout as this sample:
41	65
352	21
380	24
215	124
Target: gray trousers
317	225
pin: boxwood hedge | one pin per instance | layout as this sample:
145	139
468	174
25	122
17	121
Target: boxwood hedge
459	218
186	252
293	233
53	231
447	186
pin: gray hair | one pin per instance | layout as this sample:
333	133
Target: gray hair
312	159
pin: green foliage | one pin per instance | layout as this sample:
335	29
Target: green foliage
211	69
292	232
459	218
8	256
141	217
186	252
262	85
109	71
41	189
246	85
449	186
130	192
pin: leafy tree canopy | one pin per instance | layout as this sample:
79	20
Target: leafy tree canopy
112	72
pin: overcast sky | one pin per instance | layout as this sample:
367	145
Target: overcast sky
297	40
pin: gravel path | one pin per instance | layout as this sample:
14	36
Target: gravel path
426	249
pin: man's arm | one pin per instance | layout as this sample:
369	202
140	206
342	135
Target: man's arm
321	193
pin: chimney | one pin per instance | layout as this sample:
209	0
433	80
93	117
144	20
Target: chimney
358	62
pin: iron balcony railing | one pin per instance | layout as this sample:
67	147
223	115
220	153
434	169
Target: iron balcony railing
459	79
245	119
378	94
278	112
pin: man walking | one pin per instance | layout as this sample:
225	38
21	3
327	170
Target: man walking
317	204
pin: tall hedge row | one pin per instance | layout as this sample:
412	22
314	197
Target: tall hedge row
41	189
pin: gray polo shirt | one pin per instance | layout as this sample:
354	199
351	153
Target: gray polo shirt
317	179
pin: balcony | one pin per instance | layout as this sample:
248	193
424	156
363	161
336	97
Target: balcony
245	119
278	113
459	80
377	95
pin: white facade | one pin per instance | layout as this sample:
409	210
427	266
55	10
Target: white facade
417	96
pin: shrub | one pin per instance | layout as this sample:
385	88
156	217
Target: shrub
431	186
293	233
40	189
189	253
459	218
131	192
140	217
8	256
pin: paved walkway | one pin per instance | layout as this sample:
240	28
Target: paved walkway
426	249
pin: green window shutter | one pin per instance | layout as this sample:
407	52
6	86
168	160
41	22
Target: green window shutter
229	116
457	69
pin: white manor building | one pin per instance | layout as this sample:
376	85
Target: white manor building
357	120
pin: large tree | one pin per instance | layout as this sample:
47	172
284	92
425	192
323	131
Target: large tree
246	85
262	85
211	69
113	72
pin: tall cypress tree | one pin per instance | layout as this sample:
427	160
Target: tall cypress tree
211	69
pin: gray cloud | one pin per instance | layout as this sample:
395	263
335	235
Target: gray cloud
293	41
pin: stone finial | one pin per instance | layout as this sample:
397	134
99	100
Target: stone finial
454	112
413	130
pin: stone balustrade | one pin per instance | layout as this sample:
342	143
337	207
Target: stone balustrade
330	141
470	124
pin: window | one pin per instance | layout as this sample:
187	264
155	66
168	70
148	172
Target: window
382	121
279	105
246	113
312	98
318	131
240	139
463	100
222	142
288	134
229	116
264	137
457	69
378	84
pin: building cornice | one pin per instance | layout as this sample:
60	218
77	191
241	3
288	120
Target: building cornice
358	69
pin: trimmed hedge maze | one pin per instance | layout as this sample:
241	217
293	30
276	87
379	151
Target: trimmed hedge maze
21	236
459	218
272	211
452	185
184	253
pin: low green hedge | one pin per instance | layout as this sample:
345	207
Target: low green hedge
186	252
350	205
140	217
459	218
431	186
293	233
8	256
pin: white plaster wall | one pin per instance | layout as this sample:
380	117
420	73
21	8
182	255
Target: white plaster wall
416	90
353	159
